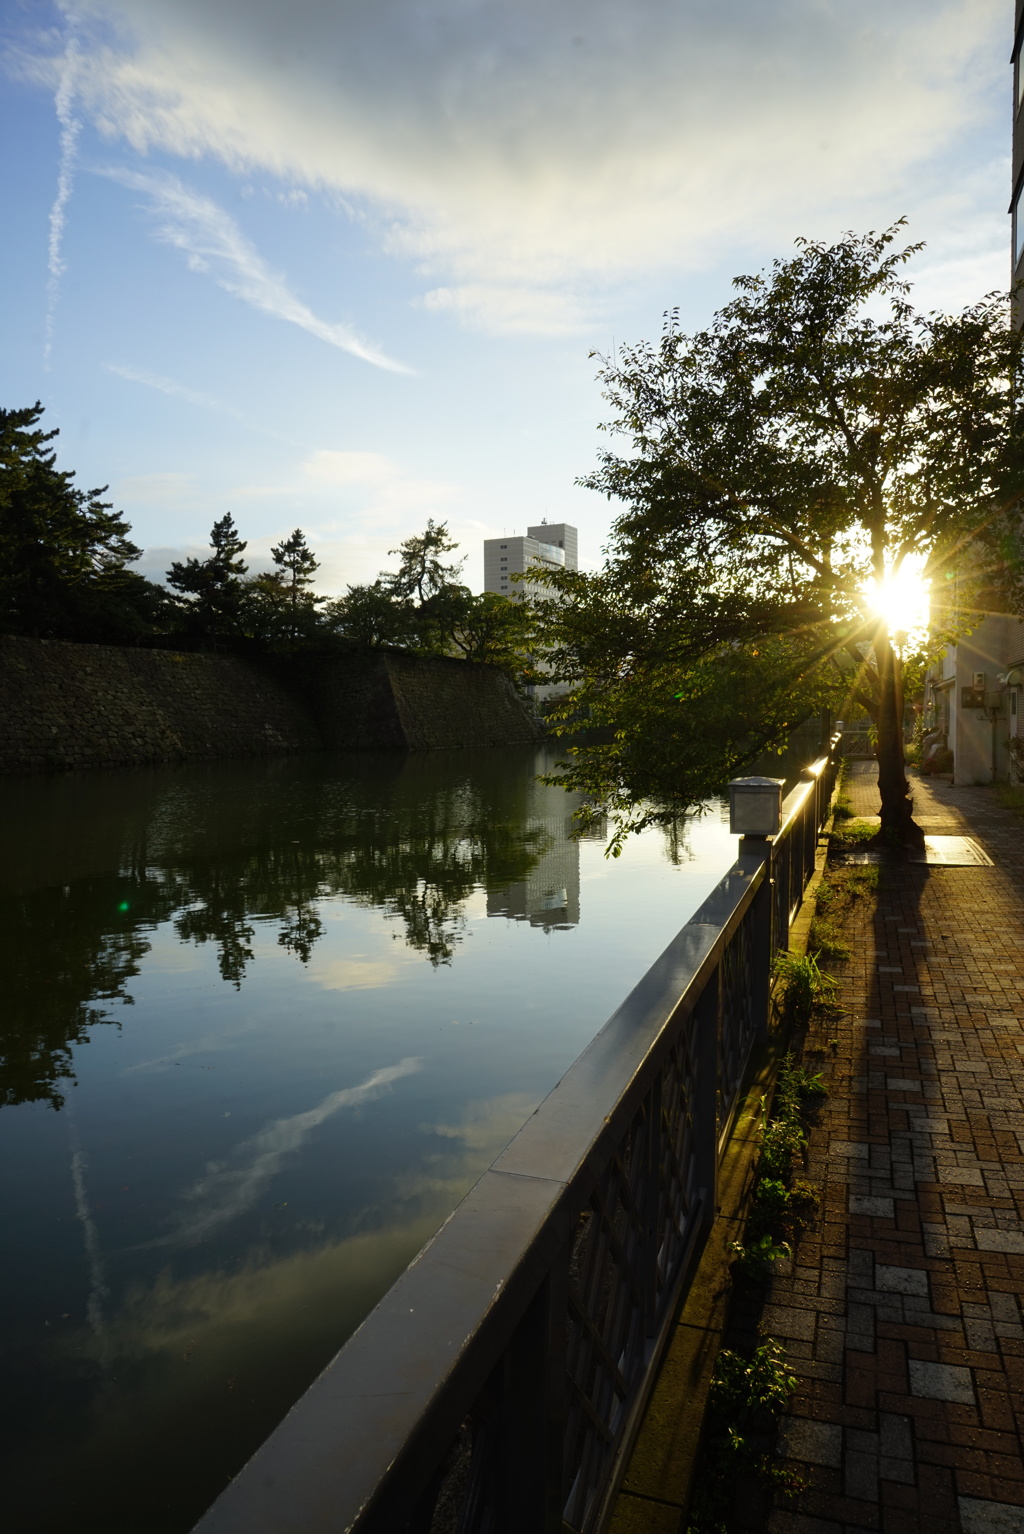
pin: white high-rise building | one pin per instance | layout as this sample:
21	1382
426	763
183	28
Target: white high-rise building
550	545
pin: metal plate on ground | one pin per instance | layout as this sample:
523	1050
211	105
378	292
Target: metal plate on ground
952	852
939	852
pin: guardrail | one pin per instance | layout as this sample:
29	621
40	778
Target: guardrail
498	1385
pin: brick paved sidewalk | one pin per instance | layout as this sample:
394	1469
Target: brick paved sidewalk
901	1314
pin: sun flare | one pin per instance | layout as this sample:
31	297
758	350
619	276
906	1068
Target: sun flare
902	598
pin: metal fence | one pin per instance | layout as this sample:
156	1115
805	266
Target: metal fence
858	743
498	1385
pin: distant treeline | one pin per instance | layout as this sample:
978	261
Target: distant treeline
65	558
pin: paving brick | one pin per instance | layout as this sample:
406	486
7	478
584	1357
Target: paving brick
815	1443
919	1153
980	1516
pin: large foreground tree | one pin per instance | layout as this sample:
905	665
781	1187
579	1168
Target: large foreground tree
786	469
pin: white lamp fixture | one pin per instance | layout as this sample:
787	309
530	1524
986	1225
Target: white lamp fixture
755	806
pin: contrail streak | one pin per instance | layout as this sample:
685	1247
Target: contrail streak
211	242
70	128
98	1291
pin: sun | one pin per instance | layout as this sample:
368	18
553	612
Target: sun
902	599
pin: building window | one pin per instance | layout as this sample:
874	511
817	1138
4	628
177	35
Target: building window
1020	76
1018	226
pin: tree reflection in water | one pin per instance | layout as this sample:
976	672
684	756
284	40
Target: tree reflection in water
94	863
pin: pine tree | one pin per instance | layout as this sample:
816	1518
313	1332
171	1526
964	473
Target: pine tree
296	566
63	551
421	574
212	591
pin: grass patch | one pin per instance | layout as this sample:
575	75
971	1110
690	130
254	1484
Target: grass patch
850	835
1011	797
841	809
827	940
839	891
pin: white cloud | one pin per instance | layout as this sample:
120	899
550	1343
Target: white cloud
212	242
390	493
530	156
354	507
969	256
507	310
163	487
331	468
355	974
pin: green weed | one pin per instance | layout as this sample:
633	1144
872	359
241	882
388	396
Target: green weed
827	940
839	891
1011	797
748	1393
802	986
754	1257
781	1204
746	1399
743	1386
797	1088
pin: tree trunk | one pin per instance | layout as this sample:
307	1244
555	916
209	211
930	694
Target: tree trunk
898	828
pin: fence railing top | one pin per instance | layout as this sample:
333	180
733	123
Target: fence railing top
797	797
477	1273
381	1416
383	1412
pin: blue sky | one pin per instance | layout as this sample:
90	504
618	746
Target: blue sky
340	264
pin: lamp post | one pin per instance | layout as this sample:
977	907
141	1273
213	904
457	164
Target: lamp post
755	806
755	814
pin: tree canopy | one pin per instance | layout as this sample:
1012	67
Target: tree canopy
783	467
210	591
64	552
65	557
424	607
422	573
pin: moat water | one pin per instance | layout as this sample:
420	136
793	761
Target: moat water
263	1025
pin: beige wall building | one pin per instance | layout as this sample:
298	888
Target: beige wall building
973	697
550	545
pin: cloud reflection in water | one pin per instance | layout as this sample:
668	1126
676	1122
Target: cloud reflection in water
229	1188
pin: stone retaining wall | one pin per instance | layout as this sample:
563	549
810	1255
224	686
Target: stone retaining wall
73	705
415	703
78	705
